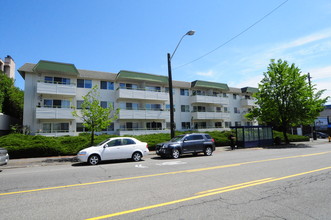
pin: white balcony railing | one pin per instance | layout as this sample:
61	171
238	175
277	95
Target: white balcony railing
143	114
209	99
247	102
211	115
141	94
57	89
54	113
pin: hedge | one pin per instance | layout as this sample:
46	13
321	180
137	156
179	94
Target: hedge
26	146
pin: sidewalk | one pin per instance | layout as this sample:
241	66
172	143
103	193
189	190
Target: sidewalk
60	160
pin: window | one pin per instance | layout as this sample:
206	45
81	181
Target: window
236	110
131	106
234	96
104	104
200	125
106	85
199	92
184	92
218	109
186	125
57	80
168	107
80	128
237	123
199	109
116	142
225	95
167	90
50	103
84	83
128	141
79	104
185	108
109	128
55	127
227	124
218	124
226	109
128	86
154	125
153	107
153	88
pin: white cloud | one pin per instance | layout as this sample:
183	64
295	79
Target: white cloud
322	73
209	73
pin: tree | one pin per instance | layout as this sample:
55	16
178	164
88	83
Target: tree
95	118
286	99
11	98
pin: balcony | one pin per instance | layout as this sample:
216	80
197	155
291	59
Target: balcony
209	99
57	89
143	114
248	102
54	113
141	94
211	115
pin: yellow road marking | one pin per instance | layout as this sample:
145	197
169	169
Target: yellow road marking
209	193
161	174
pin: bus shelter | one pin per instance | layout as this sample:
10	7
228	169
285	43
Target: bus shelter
253	136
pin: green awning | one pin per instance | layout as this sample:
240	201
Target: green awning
44	66
249	90
123	74
211	85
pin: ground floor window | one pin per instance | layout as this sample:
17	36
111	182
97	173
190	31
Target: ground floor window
218	124
154	125
80	128
55	127
227	124
129	126
186	125
200	125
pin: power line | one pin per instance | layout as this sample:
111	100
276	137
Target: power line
231	39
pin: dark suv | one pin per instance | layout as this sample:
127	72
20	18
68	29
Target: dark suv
185	144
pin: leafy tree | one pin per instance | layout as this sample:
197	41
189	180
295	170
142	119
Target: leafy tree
95	118
11	98
286	99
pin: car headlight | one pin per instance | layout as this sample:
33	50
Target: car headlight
82	153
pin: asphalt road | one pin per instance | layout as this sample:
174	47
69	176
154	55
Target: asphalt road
287	183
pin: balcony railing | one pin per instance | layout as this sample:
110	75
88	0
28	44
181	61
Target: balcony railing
248	102
211	99
56	89
54	113
143	114
211	115
142	94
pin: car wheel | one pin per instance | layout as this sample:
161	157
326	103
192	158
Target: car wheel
208	151
175	153
136	156
93	159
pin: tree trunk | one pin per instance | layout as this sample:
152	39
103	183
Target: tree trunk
285	136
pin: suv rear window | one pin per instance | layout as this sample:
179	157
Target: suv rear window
208	136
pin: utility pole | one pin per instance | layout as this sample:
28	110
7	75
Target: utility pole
314	127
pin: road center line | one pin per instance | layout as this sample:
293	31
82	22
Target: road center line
209	193
161	174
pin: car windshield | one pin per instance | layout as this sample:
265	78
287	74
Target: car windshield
177	138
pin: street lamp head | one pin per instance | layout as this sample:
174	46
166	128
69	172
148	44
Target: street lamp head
191	32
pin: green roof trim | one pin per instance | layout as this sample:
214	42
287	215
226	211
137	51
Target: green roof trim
55	67
249	90
211	85
124	74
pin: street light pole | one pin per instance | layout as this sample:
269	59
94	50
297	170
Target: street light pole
171	98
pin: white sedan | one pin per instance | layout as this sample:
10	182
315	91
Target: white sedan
113	149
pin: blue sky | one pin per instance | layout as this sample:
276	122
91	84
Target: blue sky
110	35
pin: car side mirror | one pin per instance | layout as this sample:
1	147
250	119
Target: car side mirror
106	145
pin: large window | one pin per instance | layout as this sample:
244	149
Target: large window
57	80
184	92
186	125
105	104
84	83
153	88
56	103
218	124
106	85
199	108
55	127
154	125
153	107
128	86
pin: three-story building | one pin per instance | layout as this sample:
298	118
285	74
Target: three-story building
53	90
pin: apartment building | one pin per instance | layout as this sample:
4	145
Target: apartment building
53	90
8	66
